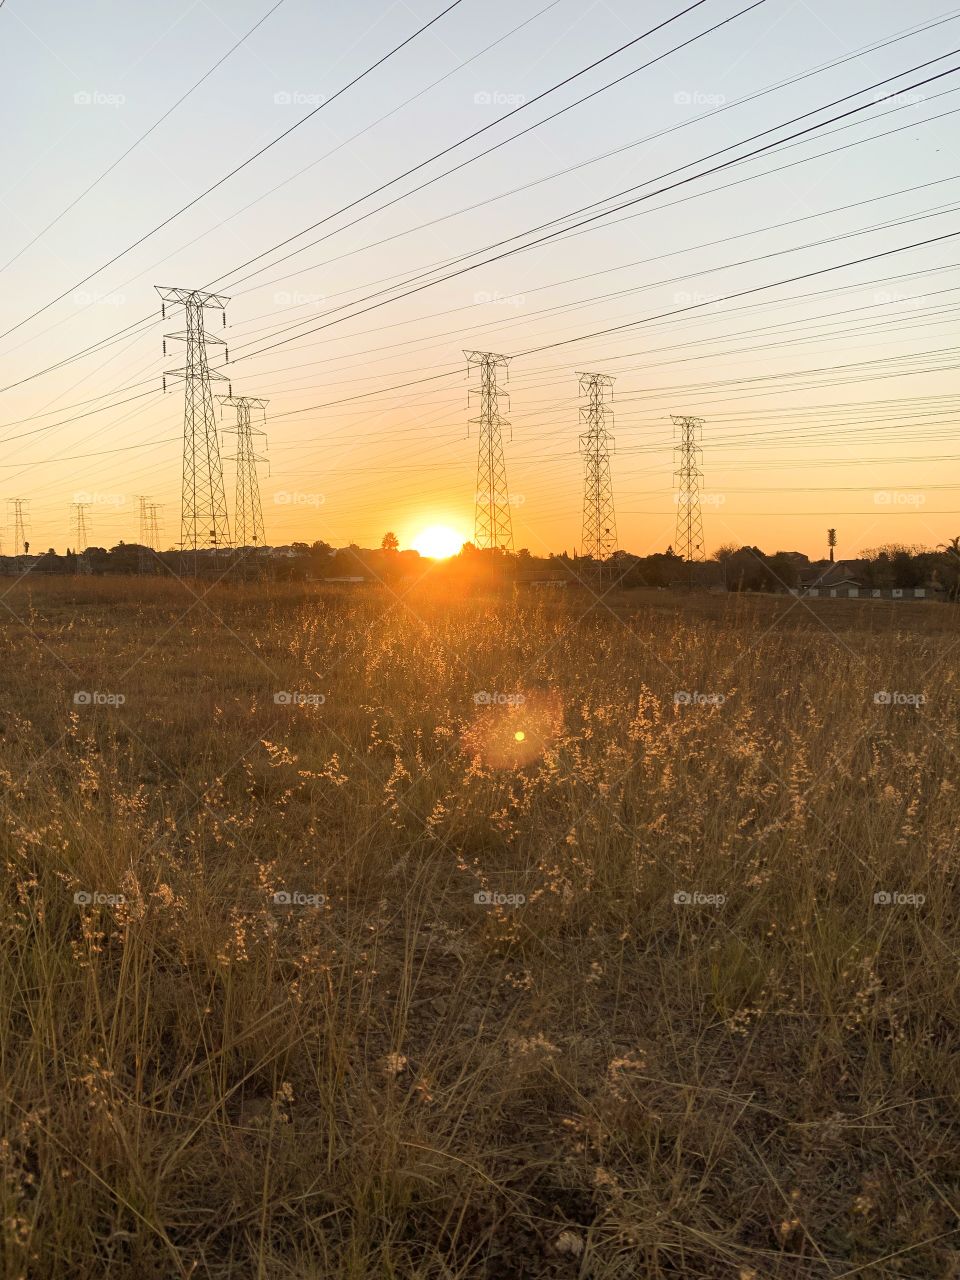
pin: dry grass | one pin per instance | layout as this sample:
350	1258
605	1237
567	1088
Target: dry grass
599	1082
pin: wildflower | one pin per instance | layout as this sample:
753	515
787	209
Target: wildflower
569	1243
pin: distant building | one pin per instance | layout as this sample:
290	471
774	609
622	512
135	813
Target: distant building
826	576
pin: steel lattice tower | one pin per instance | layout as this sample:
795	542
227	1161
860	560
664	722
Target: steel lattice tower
203	523
493	527
248	520
689	540
81	535
153	530
143	558
80	526
599	539
19	533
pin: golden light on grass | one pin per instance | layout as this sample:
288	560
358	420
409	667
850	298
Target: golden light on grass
381	1044
438	542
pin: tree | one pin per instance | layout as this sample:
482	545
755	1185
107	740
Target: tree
952	566
390	543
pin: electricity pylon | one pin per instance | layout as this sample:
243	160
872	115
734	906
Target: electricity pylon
20	543
248	517
599	539
203	521
153	529
689	540
144	559
493	527
81	537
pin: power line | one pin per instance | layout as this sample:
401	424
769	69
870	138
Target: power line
133	146
237	169
743	293
650	137
559	235
470	136
604	213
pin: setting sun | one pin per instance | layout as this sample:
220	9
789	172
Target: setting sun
438	542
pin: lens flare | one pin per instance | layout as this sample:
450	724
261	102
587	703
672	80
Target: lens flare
511	733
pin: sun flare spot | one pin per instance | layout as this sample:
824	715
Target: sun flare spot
438	542
519	735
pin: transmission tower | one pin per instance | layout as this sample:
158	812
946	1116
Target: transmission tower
203	522
493	527
20	543
153	529
248	518
80	535
689	540
599	539
144	559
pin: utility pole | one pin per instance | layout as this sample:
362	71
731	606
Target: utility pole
248	517
493	527
80	534
599	539
203	523
689	540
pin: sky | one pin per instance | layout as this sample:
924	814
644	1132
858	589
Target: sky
784	297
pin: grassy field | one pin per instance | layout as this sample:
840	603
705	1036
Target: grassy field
688	1042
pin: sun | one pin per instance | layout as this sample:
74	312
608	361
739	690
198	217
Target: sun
438	542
